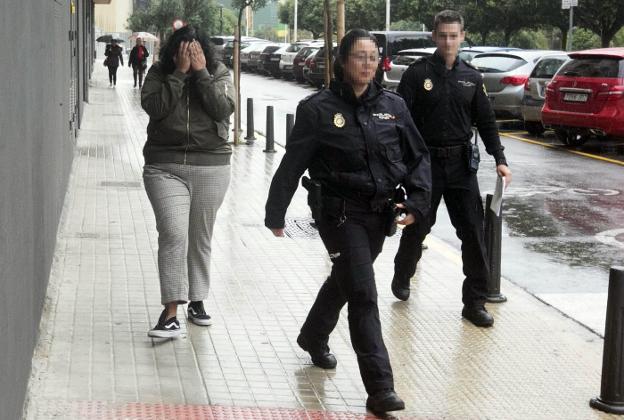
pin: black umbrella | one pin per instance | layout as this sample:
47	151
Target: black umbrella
105	38
108	39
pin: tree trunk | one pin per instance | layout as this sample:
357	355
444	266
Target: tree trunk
507	38
340	20
484	37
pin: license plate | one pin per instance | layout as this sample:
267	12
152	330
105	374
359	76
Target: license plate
275	59
575	97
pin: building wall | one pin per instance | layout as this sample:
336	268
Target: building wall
45	63
113	17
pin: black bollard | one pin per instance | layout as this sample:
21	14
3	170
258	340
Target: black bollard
611	398
290	123
270	133
251	131
493	240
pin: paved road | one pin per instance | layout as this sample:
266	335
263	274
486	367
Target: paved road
563	213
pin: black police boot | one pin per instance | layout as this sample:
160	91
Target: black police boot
478	315
384	401
321	357
400	287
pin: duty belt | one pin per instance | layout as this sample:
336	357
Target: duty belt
448	151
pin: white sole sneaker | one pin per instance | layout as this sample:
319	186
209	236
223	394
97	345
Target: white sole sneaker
200	322
163	333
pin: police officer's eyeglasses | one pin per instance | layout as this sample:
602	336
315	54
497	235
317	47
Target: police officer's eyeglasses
363	58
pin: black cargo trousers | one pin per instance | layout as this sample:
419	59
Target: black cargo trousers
353	238
452	180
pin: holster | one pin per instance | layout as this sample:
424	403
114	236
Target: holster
315	198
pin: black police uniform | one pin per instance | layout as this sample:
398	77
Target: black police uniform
444	105
359	149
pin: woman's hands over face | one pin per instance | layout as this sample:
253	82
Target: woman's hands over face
183	57
198	59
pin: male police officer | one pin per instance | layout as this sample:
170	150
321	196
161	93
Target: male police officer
446	96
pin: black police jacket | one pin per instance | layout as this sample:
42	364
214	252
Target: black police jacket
359	149
446	103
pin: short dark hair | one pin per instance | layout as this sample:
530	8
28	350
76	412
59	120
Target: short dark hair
346	45
188	34
448	16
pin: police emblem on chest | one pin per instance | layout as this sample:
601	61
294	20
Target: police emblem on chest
428	85
339	120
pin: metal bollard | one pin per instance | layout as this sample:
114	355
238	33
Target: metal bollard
250	122
493	239
270	133
611	398
290	123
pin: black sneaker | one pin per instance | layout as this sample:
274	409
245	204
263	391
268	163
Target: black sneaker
197	315
166	328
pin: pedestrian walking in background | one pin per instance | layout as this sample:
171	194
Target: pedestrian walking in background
114	56
358	142
189	98
446	96
138	61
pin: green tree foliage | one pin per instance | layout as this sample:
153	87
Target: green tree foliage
618	39
310	16
584	39
603	17
160	14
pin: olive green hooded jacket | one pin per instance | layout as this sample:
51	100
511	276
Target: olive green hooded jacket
189	116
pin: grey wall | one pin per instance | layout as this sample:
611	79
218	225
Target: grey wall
36	149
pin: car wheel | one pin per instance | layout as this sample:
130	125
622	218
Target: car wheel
570	137
535	128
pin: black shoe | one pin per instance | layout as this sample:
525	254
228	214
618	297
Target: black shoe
166	328
384	401
400	288
197	315
478	315
320	357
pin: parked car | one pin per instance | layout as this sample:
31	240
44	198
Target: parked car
316	75
399	64
391	42
586	96
265	65
254	57
307	64
252	52
300	60
219	42
535	90
468	53
228	49
287	57
504	76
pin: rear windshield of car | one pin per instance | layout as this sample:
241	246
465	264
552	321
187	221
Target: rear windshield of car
497	63
547	68
593	67
217	40
403	42
405	60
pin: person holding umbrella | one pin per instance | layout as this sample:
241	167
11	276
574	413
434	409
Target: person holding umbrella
113	58
138	61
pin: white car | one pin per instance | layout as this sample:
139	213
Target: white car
288	55
400	62
244	54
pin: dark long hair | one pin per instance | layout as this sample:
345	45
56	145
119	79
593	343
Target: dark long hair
188	34
346	45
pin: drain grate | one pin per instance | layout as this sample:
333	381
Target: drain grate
300	227
121	184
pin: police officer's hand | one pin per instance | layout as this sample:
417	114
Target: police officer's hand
409	217
505	172
277	232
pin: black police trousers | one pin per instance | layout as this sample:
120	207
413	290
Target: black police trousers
452	180
353	244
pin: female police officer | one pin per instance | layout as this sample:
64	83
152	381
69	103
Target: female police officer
358	143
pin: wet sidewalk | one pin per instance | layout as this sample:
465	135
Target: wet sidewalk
95	361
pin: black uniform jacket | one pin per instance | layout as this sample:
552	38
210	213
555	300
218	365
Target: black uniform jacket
360	149
446	103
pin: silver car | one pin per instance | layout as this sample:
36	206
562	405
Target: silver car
504	76
468	53
400	63
244	54
535	91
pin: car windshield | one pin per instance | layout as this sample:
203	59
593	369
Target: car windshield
547	68
406	60
592	67
497	63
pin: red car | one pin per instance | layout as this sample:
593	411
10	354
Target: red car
586	97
